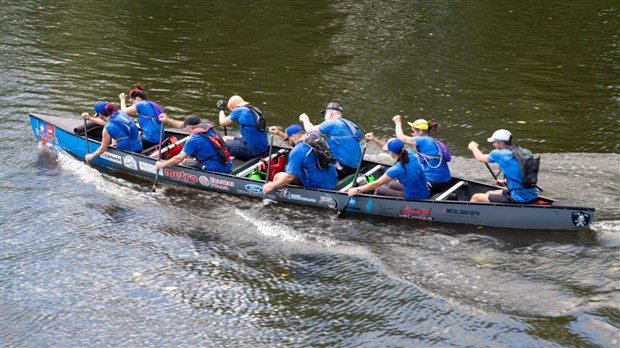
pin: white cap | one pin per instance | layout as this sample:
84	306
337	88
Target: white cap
500	135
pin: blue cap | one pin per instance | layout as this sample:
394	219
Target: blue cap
292	129
100	107
394	145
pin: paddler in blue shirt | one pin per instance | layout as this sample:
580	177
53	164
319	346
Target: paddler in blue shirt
253	140
430	152
343	137
404	179
502	155
202	150
118	129
148	113
302	168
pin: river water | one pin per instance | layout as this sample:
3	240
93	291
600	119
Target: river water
89	259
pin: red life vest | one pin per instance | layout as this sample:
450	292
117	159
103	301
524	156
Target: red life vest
219	145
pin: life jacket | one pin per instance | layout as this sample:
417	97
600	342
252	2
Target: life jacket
443	154
528	164
219	145
172	151
276	166
125	123
259	119
321	151
157	109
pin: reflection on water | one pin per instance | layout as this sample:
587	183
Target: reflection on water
91	259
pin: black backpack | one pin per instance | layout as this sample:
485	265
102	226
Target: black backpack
259	119
321	151
529	166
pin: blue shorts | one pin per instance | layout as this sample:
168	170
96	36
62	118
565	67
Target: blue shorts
241	150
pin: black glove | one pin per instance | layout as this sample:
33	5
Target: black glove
220	105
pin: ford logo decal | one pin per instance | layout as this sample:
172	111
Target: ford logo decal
254	188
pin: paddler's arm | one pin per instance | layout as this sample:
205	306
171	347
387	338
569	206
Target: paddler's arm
123	98
474	148
171	162
308	126
398	128
384	179
224	120
279	180
105	141
174	123
277	131
93	119
371	137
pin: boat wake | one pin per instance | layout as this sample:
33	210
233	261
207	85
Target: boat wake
112	186
268	228
608	232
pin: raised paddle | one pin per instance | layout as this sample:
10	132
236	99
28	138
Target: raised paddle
86	138
357	171
161	136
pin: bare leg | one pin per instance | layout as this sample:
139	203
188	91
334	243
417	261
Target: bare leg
484	197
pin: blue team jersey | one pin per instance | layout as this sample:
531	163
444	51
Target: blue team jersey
255	139
148	121
510	167
411	177
121	128
342	141
302	163
201	148
434	170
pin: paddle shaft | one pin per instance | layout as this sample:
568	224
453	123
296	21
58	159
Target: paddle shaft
269	159
161	136
491	170
357	171
86	137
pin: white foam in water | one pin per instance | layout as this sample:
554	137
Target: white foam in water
271	229
111	186
608	231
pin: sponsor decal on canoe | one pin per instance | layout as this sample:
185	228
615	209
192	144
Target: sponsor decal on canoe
130	162
221	184
204	181
415	213
284	193
180	175
148	167
460	212
352	201
252	189
328	201
112	157
581	219
47	134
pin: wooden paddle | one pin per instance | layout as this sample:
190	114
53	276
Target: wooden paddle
357	171
161	137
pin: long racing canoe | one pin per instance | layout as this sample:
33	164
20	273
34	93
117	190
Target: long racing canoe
452	206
